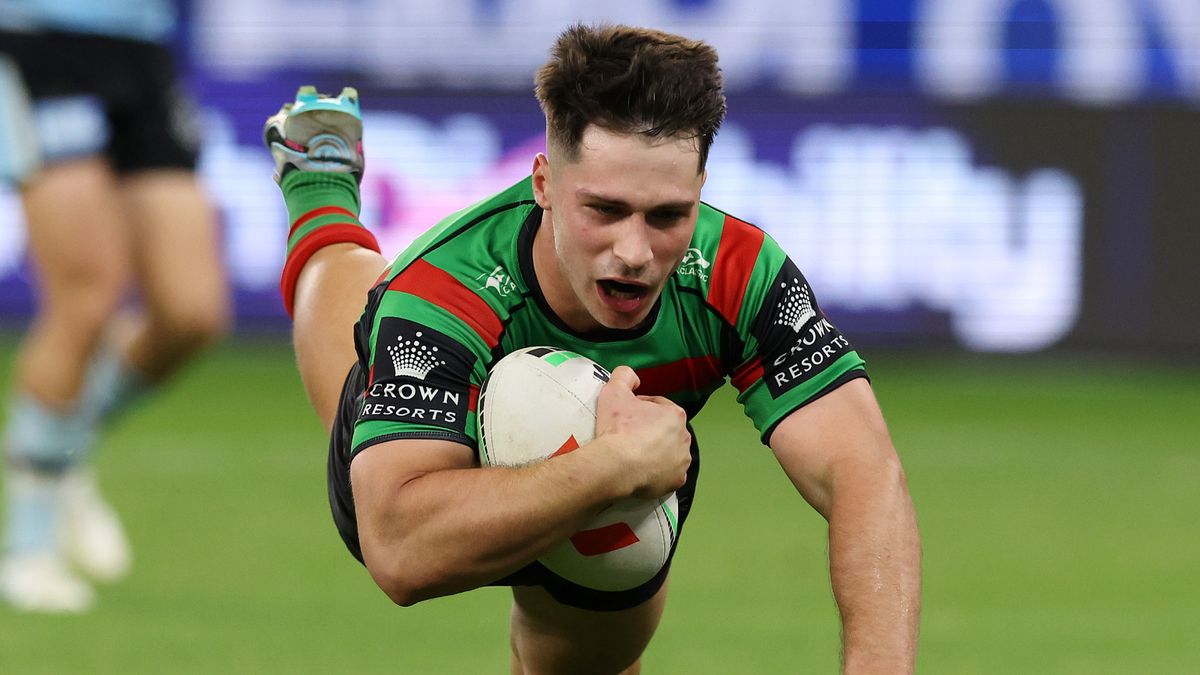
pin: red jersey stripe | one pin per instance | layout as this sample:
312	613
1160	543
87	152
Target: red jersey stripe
472	398
441	288
749	373
736	255
690	374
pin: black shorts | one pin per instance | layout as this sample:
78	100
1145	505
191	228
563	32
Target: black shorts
87	95
341	501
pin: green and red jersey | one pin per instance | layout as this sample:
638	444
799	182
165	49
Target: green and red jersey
464	294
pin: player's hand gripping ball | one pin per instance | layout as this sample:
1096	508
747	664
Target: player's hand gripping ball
540	402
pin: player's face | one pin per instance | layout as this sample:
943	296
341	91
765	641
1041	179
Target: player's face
622	215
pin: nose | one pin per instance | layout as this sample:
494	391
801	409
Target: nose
632	246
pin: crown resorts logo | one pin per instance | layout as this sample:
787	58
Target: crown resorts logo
411	358
796	308
694	265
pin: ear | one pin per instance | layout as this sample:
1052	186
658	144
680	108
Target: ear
703	177
541	180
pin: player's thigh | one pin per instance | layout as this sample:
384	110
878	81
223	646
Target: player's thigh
550	637
176	250
331	294
76	237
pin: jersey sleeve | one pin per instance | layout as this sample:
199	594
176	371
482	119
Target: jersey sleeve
787	352
426	347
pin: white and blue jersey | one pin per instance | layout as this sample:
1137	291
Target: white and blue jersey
146	20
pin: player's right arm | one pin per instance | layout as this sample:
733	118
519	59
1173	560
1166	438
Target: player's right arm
431	522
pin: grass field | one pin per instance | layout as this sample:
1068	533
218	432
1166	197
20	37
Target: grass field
1058	503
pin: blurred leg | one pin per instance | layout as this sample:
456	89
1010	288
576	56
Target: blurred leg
81	253
79	248
548	637
179	271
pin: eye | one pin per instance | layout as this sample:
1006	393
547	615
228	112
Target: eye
606	210
665	218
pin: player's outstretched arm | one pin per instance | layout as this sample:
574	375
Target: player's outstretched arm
838	454
431	523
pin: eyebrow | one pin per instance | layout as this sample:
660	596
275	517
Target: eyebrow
585	195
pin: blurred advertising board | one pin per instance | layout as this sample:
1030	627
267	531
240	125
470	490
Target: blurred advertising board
1011	192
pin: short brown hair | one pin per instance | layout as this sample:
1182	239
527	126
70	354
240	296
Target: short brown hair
630	80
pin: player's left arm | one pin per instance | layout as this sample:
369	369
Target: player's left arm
837	452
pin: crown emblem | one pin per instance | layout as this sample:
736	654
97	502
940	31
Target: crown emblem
796	308
411	358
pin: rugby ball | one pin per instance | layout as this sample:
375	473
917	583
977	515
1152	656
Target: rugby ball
539	403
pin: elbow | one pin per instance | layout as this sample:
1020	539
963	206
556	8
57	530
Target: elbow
400	579
403	589
405	596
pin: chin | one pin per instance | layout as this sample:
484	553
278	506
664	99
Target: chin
622	324
615	321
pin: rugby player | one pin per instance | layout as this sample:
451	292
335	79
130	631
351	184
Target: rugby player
606	250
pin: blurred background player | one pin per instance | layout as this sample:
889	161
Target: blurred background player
102	144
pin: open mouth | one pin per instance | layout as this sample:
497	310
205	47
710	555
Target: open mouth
621	296
620	290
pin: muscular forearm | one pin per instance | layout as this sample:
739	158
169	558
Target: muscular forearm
449	531
875	558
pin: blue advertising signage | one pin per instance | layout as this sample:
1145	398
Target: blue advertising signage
945	172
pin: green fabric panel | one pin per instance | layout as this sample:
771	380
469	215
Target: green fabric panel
765	412
370	430
304	191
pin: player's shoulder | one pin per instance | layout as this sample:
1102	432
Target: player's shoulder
482	235
724	253
713	223
461	277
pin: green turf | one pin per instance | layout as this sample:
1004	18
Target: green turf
1057	501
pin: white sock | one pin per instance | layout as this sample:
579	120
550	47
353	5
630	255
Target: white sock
41	444
32	509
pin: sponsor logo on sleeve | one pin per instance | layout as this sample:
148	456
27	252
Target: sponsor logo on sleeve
498	280
694	265
797	341
419	375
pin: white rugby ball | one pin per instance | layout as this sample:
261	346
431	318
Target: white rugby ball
540	402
